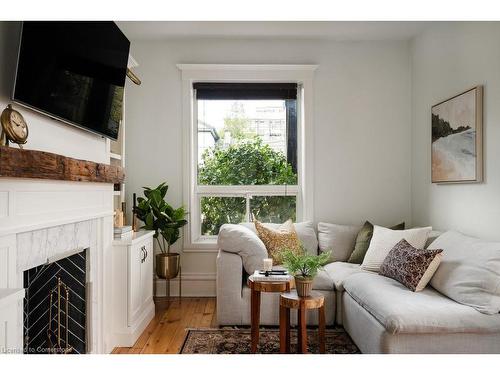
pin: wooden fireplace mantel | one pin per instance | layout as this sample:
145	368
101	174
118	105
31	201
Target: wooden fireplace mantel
19	163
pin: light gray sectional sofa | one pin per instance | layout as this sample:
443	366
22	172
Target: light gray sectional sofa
459	312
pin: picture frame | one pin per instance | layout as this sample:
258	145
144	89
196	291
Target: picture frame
457	138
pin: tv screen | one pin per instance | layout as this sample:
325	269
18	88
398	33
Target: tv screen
74	72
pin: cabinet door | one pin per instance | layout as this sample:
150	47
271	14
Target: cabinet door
11	338
147	274
135	256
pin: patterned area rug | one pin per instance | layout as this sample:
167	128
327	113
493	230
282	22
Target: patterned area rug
237	341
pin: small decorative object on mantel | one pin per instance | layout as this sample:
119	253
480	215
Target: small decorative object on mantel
457	141
118	218
135	224
14	127
304	267
166	221
123	232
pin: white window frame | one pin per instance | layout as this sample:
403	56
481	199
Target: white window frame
302	75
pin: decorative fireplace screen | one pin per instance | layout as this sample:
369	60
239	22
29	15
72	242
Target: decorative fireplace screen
55	307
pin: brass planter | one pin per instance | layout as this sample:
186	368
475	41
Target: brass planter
168	265
303	286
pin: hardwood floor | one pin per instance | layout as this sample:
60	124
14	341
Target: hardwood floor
165	333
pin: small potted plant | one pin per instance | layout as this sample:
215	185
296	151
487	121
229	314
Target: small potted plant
166	221
304	268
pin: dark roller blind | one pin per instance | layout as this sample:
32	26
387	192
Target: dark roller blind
248	91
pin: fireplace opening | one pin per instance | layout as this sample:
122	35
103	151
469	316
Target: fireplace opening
55	306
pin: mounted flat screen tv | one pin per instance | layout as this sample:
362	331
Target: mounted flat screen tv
74	72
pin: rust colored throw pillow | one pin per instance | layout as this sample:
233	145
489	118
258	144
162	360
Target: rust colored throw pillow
279	239
412	267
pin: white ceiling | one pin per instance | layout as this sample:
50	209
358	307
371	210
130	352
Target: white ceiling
331	30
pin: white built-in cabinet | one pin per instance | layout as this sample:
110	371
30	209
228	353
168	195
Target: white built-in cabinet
11	337
133	303
140	281
11	298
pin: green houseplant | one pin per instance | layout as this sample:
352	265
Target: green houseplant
304	267
166	221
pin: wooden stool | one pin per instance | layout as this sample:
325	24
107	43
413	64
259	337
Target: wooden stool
257	287
291	300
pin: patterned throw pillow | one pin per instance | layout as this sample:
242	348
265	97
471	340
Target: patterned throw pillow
279	239
412	267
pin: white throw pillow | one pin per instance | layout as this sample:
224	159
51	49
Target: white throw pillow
238	239
305	232
469	272
385	239
337	238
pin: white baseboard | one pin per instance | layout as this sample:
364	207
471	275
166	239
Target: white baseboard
193	285
129	337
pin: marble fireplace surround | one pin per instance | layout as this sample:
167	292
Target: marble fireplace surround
43	221
45	246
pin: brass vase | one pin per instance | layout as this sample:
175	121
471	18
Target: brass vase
303	286
167	265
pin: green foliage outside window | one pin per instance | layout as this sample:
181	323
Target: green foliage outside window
247	162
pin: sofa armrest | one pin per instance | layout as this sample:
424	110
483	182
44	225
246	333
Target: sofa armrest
229	283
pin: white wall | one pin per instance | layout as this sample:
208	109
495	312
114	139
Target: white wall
361	126
45	134
446	60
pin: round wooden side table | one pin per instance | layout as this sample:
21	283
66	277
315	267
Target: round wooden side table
256	288
291	300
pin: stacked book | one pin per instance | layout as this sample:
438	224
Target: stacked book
271	276
123	232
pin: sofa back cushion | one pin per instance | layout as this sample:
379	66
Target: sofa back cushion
337	238
238	239
305	232
384	239
432	237
469	272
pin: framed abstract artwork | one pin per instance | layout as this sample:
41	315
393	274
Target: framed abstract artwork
457	138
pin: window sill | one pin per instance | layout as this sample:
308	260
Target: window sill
201	246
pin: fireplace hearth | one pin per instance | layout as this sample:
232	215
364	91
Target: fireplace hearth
55	307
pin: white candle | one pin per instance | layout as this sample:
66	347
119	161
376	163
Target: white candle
268	264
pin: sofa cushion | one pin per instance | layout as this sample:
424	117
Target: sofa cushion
432	237
305	231
383	241
340	271
469	272
363	240
238	239
323	281
410	266
337	238
400	310
333	275
279	240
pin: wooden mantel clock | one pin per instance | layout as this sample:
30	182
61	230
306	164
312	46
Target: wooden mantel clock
14	127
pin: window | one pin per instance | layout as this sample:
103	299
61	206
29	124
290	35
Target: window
229	112
246	154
